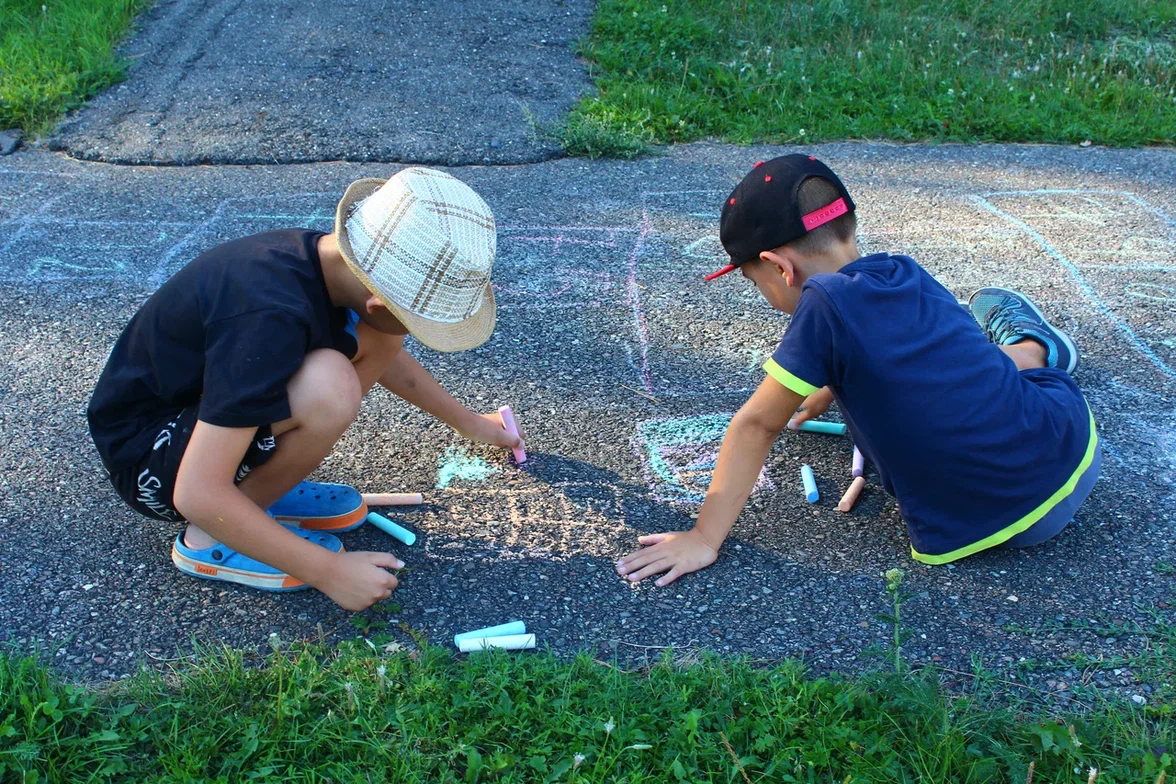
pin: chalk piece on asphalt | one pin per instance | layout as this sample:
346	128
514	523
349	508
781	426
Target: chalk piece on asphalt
501	630
859	462
510	642
851	495
393	499
810	484
512	427
391	528
829	428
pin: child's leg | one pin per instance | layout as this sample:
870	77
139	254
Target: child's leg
324	400
1027	354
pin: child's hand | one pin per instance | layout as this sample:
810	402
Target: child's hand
675	553
488	429
814	406
360	579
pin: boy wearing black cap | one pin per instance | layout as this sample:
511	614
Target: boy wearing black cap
980	434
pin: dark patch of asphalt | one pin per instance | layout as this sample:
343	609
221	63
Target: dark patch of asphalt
225	81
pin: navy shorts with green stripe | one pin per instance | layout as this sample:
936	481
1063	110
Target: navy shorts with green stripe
977	453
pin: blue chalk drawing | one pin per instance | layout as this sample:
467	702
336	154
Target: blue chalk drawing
456	463
1080	279
679	456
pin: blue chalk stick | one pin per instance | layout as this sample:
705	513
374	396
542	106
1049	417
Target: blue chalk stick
502	630
829	428
810	484
391	528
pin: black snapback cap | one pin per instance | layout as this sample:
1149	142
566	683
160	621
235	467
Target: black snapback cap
763	213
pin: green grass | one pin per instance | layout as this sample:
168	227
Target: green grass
787	71
54	54
362	714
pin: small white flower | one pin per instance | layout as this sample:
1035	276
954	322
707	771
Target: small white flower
859	54
609	726
577	760
950	91
1032	98
802	131
1139	699
381	671
347	685
639	747
664	9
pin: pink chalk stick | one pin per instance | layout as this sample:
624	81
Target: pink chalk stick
851	495
508	422
859	462
393	499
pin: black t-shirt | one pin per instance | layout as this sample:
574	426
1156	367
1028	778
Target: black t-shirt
225	334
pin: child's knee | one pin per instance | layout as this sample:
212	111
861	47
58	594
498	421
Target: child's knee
326	389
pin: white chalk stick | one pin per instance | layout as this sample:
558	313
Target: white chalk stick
511	642
391	528
393	499
851	495
859	462
512	427
501	630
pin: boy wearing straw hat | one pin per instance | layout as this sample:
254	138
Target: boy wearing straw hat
235	379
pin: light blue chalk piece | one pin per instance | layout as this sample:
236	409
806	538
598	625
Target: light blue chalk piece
502	630
829	428
391	528
810	484
456	463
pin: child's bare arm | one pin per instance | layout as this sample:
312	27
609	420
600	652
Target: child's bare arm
745	447
406	378
207	497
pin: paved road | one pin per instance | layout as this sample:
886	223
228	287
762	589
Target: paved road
225	81
623	367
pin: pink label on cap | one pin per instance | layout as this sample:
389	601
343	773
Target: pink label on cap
824	215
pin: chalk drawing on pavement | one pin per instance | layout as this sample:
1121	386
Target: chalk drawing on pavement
1124	221
457	463
555	521
678	456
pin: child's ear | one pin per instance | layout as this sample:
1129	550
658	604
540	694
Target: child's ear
373	304
783	263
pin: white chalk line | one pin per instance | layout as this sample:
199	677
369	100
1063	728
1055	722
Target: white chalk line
1083	285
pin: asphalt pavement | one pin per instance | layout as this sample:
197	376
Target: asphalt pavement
229	82
623	368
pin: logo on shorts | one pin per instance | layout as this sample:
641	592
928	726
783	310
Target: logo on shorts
267	444
149	487
242	471
164	437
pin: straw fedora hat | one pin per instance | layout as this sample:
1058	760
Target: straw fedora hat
424	243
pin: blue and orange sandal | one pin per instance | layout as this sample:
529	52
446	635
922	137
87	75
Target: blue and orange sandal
319	506
221	562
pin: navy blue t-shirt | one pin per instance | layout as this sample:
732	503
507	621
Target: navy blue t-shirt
973	450
226	333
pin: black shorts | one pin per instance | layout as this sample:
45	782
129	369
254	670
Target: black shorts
149	484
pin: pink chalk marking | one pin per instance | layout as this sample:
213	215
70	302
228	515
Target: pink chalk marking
508	422
634	297
859	462
851	495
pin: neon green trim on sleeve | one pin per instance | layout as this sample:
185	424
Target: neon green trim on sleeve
1028	520
799	386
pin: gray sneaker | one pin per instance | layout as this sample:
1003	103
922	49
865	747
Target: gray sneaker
1008	317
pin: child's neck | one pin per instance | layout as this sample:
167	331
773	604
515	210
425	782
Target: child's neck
833	259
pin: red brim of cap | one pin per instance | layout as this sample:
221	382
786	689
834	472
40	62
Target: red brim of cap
721	273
